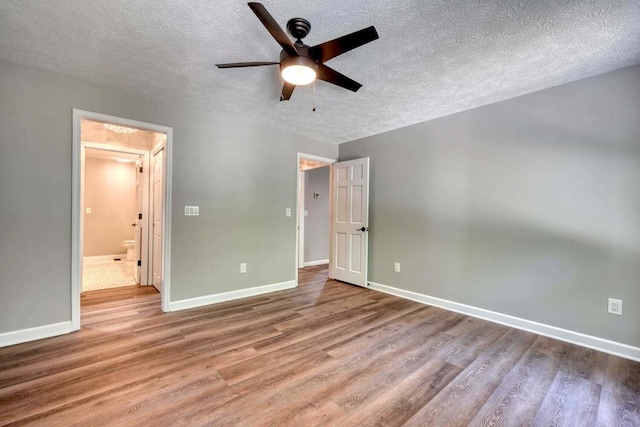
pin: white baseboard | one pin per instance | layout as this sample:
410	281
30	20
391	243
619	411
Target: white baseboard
600	344
32	334
103	257
319	262
228	296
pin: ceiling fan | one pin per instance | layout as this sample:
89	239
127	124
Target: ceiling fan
301	64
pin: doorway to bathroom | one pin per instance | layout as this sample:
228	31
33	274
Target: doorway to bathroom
115	201
121	198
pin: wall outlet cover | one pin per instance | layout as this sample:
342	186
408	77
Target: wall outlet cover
615	306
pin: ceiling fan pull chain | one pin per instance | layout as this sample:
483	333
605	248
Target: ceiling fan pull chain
314	96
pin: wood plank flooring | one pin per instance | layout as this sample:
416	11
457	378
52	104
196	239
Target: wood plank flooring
325	353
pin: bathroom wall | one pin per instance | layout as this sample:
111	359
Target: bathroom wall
316	224
110	192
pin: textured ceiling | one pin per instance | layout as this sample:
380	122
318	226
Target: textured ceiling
433	58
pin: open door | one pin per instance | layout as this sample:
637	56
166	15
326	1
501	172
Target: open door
158	218
349	228
137	225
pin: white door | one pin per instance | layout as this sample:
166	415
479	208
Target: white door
157	218
137	224
350	221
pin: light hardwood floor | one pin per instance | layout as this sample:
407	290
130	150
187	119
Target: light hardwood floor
325	353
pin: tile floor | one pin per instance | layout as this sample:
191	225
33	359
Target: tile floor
106	273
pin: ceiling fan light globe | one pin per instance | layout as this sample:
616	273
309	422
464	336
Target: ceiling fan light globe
298	75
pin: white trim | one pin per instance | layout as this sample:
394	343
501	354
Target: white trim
36	333
76	200
103	257
301	219
166	238
315	158
589	341
114	148
77	218
229	296
298	172
318	262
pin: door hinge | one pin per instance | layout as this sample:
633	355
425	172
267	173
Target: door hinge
139	216
139	263
140	169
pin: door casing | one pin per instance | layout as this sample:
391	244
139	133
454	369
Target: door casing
300	204
77	174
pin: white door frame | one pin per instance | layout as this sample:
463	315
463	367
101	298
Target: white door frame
300	212
300	194
145	194
77	217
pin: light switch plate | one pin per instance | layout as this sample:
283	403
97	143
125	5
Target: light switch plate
192	210
306	213
287	212
87	210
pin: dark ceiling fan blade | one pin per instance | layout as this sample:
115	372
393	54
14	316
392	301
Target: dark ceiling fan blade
330	75
245	64
327	50
274	29
287	90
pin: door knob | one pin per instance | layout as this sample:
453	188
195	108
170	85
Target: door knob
363	229
133	225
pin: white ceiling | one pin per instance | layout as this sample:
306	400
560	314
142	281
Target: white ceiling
433	58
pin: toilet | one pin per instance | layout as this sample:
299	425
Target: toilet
129	245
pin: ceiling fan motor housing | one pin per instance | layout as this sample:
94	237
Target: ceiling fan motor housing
303	52
298	28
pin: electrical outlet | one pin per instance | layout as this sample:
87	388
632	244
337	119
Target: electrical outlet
243	267
615	306
396	267
287	212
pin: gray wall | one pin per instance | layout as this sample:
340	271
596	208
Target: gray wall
316	224
528	207
242	176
